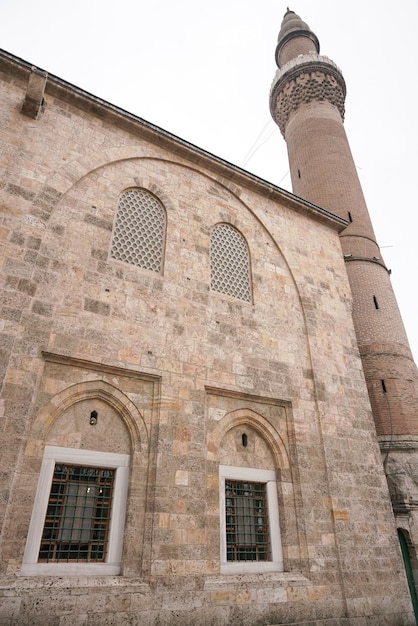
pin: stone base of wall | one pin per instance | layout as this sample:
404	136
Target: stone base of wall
275	599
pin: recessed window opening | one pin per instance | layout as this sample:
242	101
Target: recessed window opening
244	440
376	304
383	386
249	521
77	520
247	532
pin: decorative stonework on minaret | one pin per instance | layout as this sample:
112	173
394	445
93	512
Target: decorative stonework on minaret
304	75
305	80
307	103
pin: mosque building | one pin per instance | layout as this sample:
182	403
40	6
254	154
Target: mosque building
208	404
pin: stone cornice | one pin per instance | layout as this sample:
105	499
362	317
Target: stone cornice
397	442
352	257
20	70
230	393
103	368
376	349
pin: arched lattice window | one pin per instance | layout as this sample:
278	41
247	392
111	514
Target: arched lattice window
230	262
138	236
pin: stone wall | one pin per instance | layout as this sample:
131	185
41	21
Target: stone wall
177	373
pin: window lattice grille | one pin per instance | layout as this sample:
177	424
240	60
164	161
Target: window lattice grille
230	263
138	236
77	521
247	533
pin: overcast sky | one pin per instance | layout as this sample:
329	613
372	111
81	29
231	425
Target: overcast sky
203	70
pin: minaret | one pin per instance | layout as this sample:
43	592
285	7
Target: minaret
307	103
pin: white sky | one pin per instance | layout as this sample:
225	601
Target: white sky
203	70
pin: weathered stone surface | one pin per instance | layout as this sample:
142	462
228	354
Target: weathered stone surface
177	374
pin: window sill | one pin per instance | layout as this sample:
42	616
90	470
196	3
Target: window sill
251	567
281	579
70	569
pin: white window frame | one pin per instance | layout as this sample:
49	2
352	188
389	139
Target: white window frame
108	460
267	477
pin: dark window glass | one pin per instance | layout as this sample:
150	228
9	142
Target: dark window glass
247	532
77	520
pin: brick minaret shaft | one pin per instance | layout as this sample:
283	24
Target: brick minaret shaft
307	103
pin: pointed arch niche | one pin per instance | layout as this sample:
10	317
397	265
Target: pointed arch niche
250	440
90	418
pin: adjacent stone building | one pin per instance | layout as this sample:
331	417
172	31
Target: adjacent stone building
187	436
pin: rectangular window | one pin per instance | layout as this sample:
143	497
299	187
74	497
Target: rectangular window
249	520
78	516
77	519
247	531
